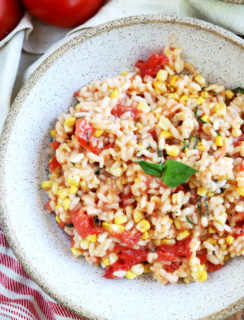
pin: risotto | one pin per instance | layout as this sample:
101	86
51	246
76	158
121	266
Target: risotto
147	172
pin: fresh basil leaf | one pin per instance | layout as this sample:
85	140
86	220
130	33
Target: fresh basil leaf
238	90
175	173
151	168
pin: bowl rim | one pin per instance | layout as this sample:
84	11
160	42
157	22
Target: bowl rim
30	83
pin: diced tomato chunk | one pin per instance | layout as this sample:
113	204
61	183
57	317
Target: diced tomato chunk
153	133
84	224
120	109
172	267
48	207
119	265
152	65
85	135
125	198
55	144
242	165
53	164
210	267
237	141
128	237
167	252
77	93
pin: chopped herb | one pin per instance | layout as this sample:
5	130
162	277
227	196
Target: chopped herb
186	145
87	135
148	148
173	173
153	250
238	90
189	220
160	153
81	117
218	134
197	116
195	140
73	164
97	172
204	88
69	225
96	221
206	207
199	207
213	92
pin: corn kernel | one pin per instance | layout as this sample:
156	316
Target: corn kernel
162	75
201	191
174	96
70	121
173	80
212	241
229	239
138	215
211	230
106	262
142	106
147	268
177	224
204	94
165	134
66	204
227	257
184	99
157	115
201	147
73	180
236	133
200	80
113	258
200	100
114	94
219	141
229	94
155	199
92	237
47	185
159	87
73	190
205	118
156	242
191	185
84	244
143	225
130	275
203	277
172	151
182	235
164	123
210	194
98	133
116	228
145	236
195	96
170	220
83	185
120	220
53	133
124	73
63	193
106	225
138	269
168	241
220	109
240	191
117	172
58	219
123	181
78	107
76	252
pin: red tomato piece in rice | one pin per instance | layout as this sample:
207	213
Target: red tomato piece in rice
152	65
120	109
53	164
171	252
128	237
85	135
55	144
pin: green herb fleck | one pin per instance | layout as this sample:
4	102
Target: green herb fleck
199	207
186	145
213	92
160	153
189	220
69	225
173	173
218	134
87	135
148	148
81	117
238	90
97	172
197	116
206	206
73	164
195	140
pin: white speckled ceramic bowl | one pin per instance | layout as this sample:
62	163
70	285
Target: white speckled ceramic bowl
40	245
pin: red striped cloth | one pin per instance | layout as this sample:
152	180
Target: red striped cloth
20	297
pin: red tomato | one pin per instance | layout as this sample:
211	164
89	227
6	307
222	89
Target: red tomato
237	141
210	267
63	13
53	164
128	237
55	144
153	133
124	199
10	14
120	109
152	65
85	135
172	267
48	207
83	224
117	266
167	252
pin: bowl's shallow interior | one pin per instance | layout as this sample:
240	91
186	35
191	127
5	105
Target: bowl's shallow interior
41	246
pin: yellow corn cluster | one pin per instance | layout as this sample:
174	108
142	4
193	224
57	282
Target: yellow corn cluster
143	225
69	123
229	239
138	215
165	134
201	191
200	80
182	235
162	75
172	151
184	99
53	133
201	274
114	94
219	141
220	109
205	118
229	94
120	220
